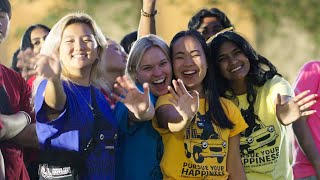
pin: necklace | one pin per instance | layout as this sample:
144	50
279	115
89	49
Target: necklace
89	104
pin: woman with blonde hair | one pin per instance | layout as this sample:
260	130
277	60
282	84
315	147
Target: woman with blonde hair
140	145
75	127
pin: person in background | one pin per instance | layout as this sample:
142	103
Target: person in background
113	63
128	40
209	22
15	61
306	164
15	112
31	43
266	101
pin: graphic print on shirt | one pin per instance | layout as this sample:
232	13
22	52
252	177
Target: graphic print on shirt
204	147
257	143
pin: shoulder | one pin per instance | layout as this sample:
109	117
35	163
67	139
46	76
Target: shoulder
275	81
311	65
163	100
228	106
11	74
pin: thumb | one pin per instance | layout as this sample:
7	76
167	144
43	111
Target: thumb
195	94
278	100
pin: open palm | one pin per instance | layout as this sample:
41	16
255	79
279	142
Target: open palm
185	103
137	102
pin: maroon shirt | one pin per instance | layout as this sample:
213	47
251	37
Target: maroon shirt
14	96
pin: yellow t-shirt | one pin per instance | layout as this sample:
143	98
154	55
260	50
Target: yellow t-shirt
199	151
264	149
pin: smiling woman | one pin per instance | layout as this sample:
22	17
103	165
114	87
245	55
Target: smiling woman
74	121
266	101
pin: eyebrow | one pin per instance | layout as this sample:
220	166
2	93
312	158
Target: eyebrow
233	50
178	53
197	51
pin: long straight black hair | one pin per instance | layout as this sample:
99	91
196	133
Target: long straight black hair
261	70
215	113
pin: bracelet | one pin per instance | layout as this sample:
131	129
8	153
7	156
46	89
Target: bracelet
145	14
28	118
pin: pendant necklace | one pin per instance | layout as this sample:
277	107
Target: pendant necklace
89	104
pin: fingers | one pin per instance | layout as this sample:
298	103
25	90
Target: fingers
307	113
306	100
125	82
120	89
301	95
176	87
307	105
173	93
182	86
130	84
195	94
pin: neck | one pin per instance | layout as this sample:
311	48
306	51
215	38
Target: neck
80	76
239	87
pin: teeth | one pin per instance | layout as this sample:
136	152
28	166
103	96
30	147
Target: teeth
189	72
236	69
159	81
79	56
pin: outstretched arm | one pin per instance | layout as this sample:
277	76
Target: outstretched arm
290	109
147	24
184	106
50	69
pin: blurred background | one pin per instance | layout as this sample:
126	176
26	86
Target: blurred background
286	32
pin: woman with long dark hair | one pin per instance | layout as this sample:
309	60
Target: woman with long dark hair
266	101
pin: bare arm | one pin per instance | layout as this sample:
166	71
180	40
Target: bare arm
307	144
49	68
234	164
13	124
147	25
27	137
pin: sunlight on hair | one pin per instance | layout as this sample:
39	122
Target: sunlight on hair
215	35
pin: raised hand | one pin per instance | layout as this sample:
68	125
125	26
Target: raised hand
41	65
23	62
295	108
185	103
139	103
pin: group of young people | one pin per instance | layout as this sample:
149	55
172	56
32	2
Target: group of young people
206	107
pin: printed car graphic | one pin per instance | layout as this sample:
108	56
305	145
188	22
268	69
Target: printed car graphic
261	136
204	142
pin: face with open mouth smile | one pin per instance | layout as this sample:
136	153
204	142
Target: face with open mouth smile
233	63
189	62
155	69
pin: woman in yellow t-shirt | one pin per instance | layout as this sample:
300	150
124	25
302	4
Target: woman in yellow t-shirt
200	131
253	83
